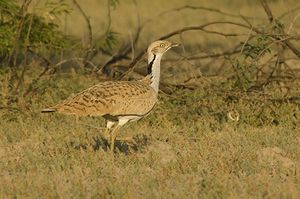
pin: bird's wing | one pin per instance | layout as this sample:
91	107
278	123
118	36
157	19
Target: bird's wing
111	97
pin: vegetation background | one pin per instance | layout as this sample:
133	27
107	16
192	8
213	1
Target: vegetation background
227	121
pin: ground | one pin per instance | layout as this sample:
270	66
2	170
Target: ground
183	150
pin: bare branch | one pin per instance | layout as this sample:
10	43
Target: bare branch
51	70
89	52
205	9
87	20
216	55
267	10
22	13
271	19
289	12
201	27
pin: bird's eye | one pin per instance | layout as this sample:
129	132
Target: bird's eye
162	45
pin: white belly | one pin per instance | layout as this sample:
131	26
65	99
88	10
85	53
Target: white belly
128	118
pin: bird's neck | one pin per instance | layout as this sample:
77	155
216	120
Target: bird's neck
154	70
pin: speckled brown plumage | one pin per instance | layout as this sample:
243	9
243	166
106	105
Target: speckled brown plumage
115	98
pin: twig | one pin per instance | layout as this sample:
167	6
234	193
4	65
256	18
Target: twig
90	33
124	51
16	48
247	40
226	53
289	12
201	27
21	78
205	9
271	19
292	23
267	10
22	13
88	23
52	70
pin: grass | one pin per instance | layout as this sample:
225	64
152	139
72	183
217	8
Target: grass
181	152
187	148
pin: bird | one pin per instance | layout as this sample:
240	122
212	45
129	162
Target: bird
119	102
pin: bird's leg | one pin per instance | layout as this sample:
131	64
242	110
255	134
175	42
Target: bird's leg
106	133
121	122
109	125
113	135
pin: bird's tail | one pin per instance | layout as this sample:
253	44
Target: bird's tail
48	110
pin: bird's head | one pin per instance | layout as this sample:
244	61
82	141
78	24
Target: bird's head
160	47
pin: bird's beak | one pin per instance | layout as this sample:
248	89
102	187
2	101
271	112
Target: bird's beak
175	45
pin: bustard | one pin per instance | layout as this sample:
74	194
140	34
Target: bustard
119	102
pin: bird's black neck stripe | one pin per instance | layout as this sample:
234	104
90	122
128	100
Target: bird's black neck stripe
150	65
